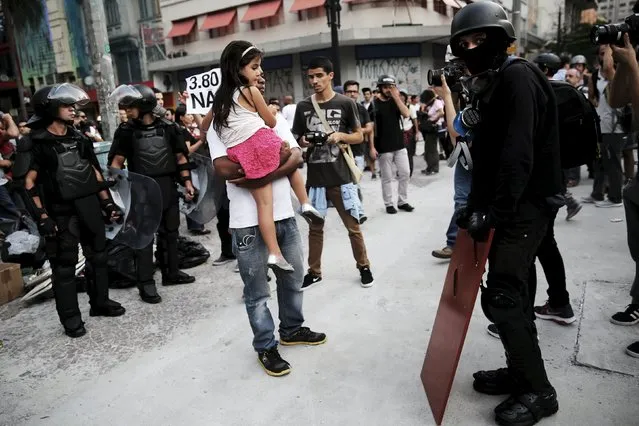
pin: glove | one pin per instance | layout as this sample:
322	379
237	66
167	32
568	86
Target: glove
463	216
47	227
109	208
479	226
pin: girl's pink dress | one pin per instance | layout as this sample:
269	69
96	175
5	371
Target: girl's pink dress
259	155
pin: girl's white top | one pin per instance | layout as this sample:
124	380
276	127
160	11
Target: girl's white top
242	124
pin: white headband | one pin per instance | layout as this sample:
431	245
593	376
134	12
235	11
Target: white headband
248	50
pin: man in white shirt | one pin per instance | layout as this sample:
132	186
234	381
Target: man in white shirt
251	252
289	110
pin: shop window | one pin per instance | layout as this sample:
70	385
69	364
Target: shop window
312	13
440	7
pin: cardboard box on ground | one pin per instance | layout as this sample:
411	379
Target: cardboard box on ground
11	284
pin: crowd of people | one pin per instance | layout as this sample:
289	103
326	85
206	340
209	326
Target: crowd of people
508	177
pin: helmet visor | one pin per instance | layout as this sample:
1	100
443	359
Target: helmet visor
125	95
68	94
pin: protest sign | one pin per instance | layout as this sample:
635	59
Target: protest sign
201	89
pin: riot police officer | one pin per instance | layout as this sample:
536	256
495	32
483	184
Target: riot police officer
515	184
68	197
154	147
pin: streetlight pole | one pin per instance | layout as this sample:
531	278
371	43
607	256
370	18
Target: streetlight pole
333	9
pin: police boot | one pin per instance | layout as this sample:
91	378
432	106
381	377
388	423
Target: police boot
97	277
149	292
526	409
171	275
66	301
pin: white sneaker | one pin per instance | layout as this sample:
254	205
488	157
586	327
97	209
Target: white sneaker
311	214
237	268
279	263
589	200
607	203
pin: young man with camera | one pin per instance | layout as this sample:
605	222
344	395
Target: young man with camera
387	113
516	178
329	174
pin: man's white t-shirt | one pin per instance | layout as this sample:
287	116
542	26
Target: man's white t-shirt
289	114
243	210
407	123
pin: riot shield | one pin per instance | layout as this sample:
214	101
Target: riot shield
140	199
204	208
451	322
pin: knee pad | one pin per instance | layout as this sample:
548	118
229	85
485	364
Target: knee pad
68	259
99	258
64	274
500	305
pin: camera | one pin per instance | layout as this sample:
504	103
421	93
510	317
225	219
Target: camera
316	138
453	71
613	33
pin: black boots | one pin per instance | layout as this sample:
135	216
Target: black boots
149	293
108	309
526	409
177	278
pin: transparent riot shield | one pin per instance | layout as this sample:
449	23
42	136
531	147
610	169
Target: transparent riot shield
140	199
204	208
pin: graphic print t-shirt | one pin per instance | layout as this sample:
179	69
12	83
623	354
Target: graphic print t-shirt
326	164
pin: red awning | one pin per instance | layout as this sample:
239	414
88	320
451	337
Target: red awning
218	20
306	4
265	9
181	28
453	4
355	1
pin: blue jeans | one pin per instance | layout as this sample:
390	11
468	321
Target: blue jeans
9	213
252	255
463	179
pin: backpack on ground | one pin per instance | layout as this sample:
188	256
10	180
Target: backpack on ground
578	122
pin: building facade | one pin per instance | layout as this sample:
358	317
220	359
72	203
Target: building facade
403	38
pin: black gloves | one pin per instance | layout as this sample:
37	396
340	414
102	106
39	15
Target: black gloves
47	227
477	223
112	213
463	215
479	226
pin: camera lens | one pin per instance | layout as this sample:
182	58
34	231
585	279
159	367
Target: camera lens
435	77
608	34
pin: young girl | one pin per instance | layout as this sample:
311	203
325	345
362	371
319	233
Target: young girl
244	124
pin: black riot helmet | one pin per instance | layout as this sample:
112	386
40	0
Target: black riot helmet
135	96
47	101
549	63
386	80
480	16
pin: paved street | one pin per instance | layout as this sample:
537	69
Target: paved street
189	361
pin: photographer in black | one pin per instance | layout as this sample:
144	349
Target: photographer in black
624	89
516	176
69	200
154	147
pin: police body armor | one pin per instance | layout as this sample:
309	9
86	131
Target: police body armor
75	175
152	153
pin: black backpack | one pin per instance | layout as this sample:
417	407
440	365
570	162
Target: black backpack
578	122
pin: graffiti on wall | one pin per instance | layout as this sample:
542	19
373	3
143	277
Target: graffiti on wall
406	70
279	83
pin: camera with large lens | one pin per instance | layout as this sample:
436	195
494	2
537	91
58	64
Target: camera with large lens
316	138
453	71
613	33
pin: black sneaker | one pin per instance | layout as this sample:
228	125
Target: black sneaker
366	276
493	330
272	363
76	332
629	317
494	382
391	210
310	280
304	336
563	315
526	409
406	207
374	176
109	309
633	350
223	259
177	279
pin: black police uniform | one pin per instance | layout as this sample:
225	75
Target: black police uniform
68	189
151	151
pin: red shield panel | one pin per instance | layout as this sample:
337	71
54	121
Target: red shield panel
453	316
